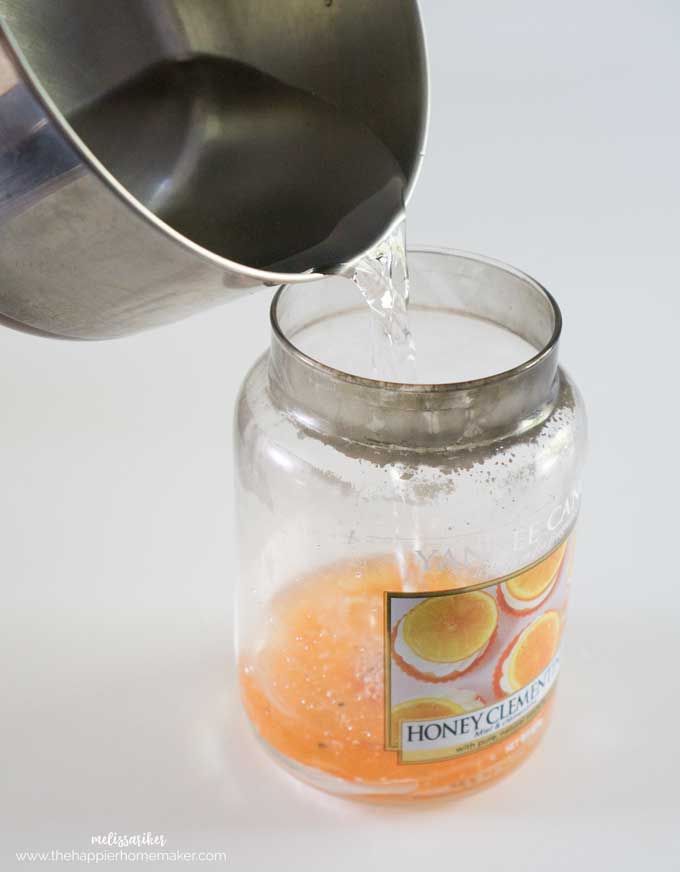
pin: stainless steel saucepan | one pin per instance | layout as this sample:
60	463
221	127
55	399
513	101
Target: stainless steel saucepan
158	157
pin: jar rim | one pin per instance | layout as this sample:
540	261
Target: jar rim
439	387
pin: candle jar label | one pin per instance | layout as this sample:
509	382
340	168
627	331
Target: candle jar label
466	668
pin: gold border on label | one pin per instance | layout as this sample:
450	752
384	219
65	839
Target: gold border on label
390	744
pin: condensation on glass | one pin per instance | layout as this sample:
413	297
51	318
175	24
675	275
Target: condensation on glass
405	549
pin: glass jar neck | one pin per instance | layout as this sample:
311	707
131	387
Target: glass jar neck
349	409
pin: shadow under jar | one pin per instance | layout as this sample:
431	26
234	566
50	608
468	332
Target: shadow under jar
405	548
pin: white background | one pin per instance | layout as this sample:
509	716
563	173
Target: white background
554	146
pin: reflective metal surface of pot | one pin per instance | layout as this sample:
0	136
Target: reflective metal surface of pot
158	157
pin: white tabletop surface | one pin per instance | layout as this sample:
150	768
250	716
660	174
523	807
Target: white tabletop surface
554	146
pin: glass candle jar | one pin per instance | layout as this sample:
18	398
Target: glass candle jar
405	548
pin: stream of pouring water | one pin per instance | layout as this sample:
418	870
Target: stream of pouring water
382	277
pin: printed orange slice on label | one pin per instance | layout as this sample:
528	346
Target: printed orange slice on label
422	709
535	582
450	629
529	653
